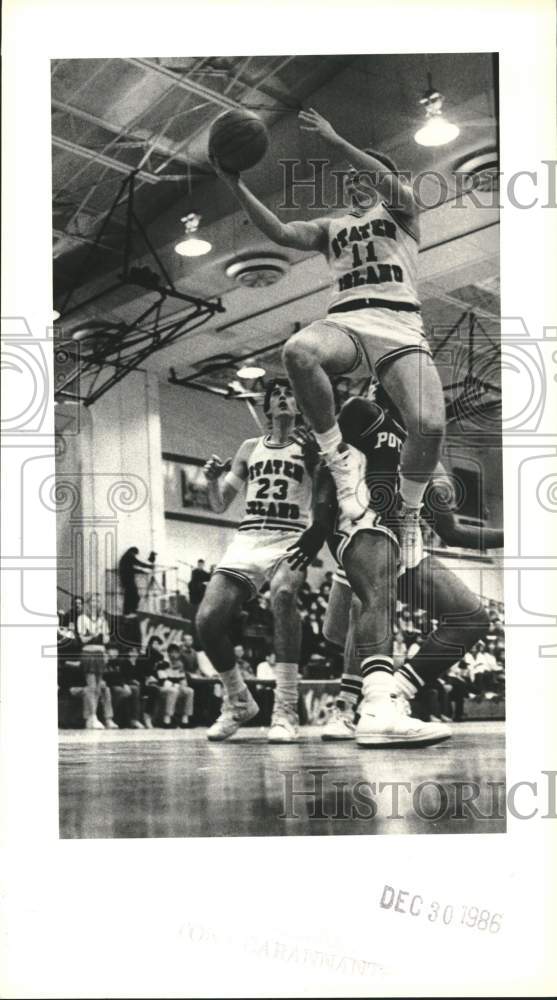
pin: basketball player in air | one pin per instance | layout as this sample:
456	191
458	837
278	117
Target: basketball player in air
276	472
373	320
365	552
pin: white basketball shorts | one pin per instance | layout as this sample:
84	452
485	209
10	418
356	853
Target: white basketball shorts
253	556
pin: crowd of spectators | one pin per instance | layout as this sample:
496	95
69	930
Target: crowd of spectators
119	683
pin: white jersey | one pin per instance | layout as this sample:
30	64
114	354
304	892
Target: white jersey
278	490
373	255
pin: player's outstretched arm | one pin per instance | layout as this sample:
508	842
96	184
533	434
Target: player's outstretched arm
221	491
396	193
297	235
439	500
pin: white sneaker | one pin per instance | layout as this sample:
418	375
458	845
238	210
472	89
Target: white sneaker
341	725
284	725
410	536
384	724
348	469
136	724
111	724
93	723
234	713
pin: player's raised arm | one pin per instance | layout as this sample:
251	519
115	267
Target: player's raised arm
298	235
390	186
223	490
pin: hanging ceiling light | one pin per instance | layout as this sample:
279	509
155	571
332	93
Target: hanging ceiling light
437	131
250	370
192	246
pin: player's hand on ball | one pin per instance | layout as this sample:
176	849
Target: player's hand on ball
225	175
312	121
215	467
305	549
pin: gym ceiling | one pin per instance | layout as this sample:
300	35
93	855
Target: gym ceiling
152	115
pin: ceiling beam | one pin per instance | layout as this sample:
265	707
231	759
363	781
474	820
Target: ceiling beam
166	146
106	161
186	83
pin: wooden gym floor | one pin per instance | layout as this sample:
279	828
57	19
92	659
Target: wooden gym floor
158	783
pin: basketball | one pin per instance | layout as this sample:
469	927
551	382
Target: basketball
238	139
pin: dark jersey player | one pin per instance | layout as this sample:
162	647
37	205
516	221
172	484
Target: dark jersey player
367	554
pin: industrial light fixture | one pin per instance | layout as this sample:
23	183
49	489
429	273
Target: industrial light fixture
250	371
437	131
192	246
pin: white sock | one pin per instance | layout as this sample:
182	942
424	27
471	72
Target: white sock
329	441
412	492
377	677
233	681
287	683
407	681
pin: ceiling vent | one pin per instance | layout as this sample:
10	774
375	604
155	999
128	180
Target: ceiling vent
479	171
257	272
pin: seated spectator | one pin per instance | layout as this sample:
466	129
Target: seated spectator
174	688
407	626
125	690
258	627
66	638
190	657
91	624
149	665
432	702
154	651
480	668
265	671
93	690
457	679
415	646
139	670
305	595
243	664
69	618
400	650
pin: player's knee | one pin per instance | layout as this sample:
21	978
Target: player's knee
432	425
300	353
205	622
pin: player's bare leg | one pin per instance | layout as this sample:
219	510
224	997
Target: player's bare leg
343	607
462	621
311	357
413	384
370	564
287	644
221	603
